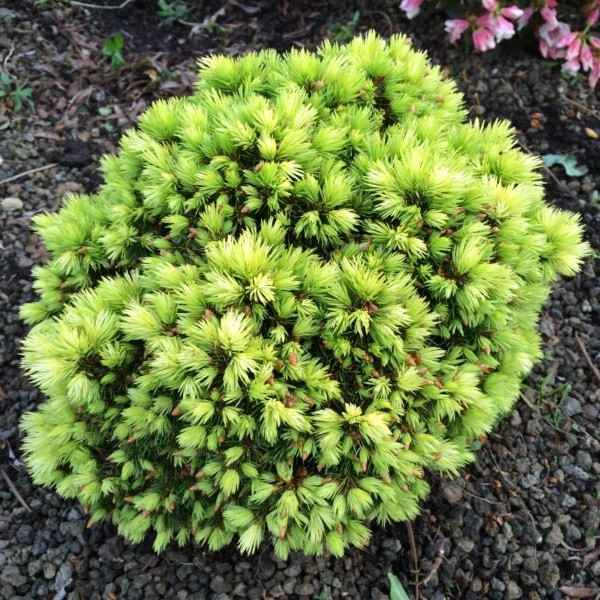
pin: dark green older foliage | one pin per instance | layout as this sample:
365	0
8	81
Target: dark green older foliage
295	291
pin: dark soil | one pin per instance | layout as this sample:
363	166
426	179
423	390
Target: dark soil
523	522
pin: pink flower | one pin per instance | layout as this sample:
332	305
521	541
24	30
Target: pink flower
411	7
586	57
483	39
525	17
573	49
504	29
571	66
488	21
595	74
567	39
455	28
594	41
512	12
549	16
489	5
550	34
593	17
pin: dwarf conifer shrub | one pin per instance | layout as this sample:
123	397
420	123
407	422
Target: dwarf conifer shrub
296	291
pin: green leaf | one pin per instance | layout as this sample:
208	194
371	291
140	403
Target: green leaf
569	162
397	591
104	111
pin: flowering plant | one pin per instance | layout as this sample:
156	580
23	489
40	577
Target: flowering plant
489	22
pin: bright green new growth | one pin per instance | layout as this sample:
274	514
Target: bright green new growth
295	291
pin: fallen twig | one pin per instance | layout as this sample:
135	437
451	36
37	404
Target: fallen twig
10	53
482	498
580	592
413	550
587	358
437	563
590	557
582	107
14	490
28	172
101	6
544	167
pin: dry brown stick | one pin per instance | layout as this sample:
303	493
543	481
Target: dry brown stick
100	6
583	107
14	490
556	180
437	563
413	550
385	16
587	358
28	172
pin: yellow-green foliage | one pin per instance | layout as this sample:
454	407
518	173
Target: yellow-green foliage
295	291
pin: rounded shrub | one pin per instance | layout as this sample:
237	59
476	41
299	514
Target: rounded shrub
296	291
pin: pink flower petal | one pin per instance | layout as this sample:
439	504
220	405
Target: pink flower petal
594	75
549	15
512	12
567	40
455	28
411	8
573	50
525	17
586	57
483	40
504	29
571	66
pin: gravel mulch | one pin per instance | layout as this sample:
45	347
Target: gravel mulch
522	522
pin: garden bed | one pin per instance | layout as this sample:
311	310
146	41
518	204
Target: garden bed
524	521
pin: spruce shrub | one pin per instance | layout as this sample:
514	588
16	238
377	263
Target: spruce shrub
295	292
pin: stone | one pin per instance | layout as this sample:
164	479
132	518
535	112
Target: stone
531	564
497	585
451	493
572	532
12	576
513	591
219	585
500	544
465	544
276	591
571	406
549	575
534	427
293	570
267	568
49	570
590	412
142	580
304	589
34	567
583	459
555	536
183	572
567	501
11	204
25	534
